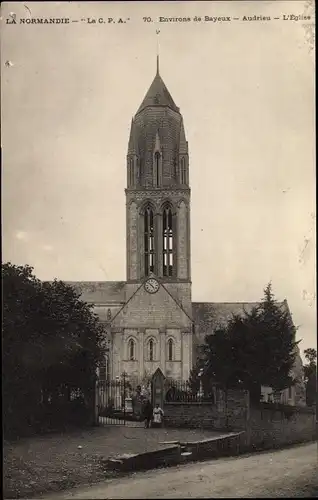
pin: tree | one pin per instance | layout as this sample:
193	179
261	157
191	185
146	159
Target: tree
254	349
52	343
310	373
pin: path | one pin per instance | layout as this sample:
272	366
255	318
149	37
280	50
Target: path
286	473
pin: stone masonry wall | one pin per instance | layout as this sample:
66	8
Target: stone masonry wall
193	415
269	427
266	426
230	414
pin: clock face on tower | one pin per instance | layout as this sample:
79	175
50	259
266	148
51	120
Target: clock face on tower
152	285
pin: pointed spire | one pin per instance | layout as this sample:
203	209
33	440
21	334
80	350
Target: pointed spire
158	94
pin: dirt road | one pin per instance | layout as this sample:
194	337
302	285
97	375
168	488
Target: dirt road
286	473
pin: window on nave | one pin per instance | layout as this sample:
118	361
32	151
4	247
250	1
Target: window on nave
170	349
131	350
151	350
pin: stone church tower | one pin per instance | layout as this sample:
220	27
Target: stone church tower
150	319
158	195
158	232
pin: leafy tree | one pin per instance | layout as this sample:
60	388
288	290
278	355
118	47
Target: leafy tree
52	343
310	373
254	349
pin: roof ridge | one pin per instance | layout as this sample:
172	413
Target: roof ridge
96	281
139	287
236	302
228	302
126	302
179	305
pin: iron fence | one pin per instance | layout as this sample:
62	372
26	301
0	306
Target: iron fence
187	392
121	400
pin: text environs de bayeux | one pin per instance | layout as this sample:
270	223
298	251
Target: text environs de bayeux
217	19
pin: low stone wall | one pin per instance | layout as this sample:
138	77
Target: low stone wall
227	445
267	425
228	413
271	426
144	461
193	415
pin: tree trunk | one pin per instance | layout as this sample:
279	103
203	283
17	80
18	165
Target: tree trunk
255	393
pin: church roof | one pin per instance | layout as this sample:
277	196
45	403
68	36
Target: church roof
100	292
207	316
158	95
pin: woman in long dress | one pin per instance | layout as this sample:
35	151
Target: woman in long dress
157	416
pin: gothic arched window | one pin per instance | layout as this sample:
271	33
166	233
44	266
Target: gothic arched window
167	236
183	171
170	350
151	350
157	168
149	241
131	350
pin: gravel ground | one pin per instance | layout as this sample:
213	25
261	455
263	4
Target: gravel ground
59	461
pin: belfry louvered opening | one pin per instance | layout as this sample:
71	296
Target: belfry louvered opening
149	241
168	241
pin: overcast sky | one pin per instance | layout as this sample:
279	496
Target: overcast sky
246	92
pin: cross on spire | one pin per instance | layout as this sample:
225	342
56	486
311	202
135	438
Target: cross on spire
157	33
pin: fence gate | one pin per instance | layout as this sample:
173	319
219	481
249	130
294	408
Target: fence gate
111	402
120	401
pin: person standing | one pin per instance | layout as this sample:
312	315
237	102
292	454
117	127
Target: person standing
148	412
158	416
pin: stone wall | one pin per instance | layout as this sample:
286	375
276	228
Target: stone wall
193	415
266	426
227	413
271	425
143	461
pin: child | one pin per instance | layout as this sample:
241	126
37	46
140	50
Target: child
157	416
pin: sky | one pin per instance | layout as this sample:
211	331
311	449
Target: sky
246	93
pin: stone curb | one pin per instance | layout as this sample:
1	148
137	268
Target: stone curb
179	452
231	444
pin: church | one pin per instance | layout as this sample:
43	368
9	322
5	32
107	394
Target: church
150	318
